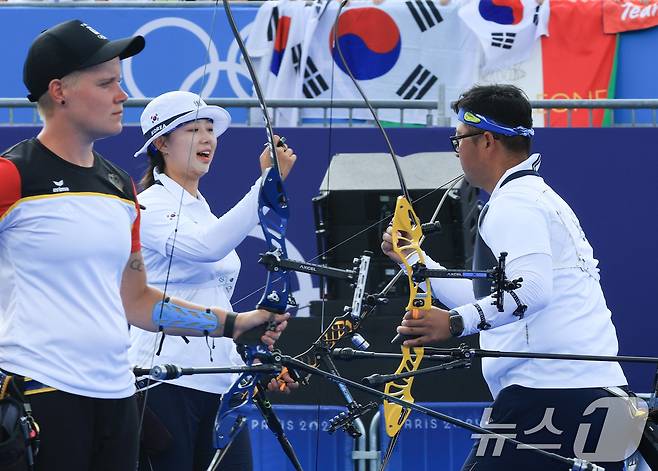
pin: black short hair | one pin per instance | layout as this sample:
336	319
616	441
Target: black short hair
505	104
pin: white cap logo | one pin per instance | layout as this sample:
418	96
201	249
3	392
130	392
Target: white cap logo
99	35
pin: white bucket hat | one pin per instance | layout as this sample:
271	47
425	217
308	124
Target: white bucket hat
172	109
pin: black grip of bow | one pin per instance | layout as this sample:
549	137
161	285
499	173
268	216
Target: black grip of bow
253	335
399	339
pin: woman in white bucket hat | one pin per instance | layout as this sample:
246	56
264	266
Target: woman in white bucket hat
181	132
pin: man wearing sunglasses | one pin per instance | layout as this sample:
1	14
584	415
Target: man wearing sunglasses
559	308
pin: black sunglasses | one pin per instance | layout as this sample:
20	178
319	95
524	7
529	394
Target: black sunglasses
454	140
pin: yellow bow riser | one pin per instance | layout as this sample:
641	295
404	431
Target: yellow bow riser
407	233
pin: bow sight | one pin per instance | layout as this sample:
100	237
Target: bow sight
500	283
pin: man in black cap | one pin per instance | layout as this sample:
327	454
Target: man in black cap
71	269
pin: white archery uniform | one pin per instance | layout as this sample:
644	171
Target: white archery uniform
567	312
204	270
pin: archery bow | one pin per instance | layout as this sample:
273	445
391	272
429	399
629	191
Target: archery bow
273	213
406	237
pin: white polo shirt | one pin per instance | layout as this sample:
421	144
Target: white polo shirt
566	313
204	270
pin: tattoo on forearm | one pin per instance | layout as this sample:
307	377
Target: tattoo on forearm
136	265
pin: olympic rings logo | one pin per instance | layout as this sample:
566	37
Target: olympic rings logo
232	65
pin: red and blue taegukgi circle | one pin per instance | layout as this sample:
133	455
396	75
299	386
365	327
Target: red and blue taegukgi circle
280	42
369	40
503	12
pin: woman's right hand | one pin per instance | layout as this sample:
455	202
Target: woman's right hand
285	156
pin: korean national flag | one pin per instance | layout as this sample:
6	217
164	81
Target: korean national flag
412	50
277	45
507	29
260	41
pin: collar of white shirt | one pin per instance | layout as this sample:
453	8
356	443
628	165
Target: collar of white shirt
531	163
176	190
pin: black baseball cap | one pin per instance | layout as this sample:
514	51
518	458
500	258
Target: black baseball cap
67	47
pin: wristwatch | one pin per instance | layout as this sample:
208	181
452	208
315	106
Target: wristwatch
456	324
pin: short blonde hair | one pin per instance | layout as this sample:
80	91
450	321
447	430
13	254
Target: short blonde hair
45	104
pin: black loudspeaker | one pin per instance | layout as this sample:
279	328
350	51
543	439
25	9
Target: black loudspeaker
357	199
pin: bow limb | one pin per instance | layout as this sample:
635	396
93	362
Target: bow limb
274	219
254	80
407	231
273	211
230	414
